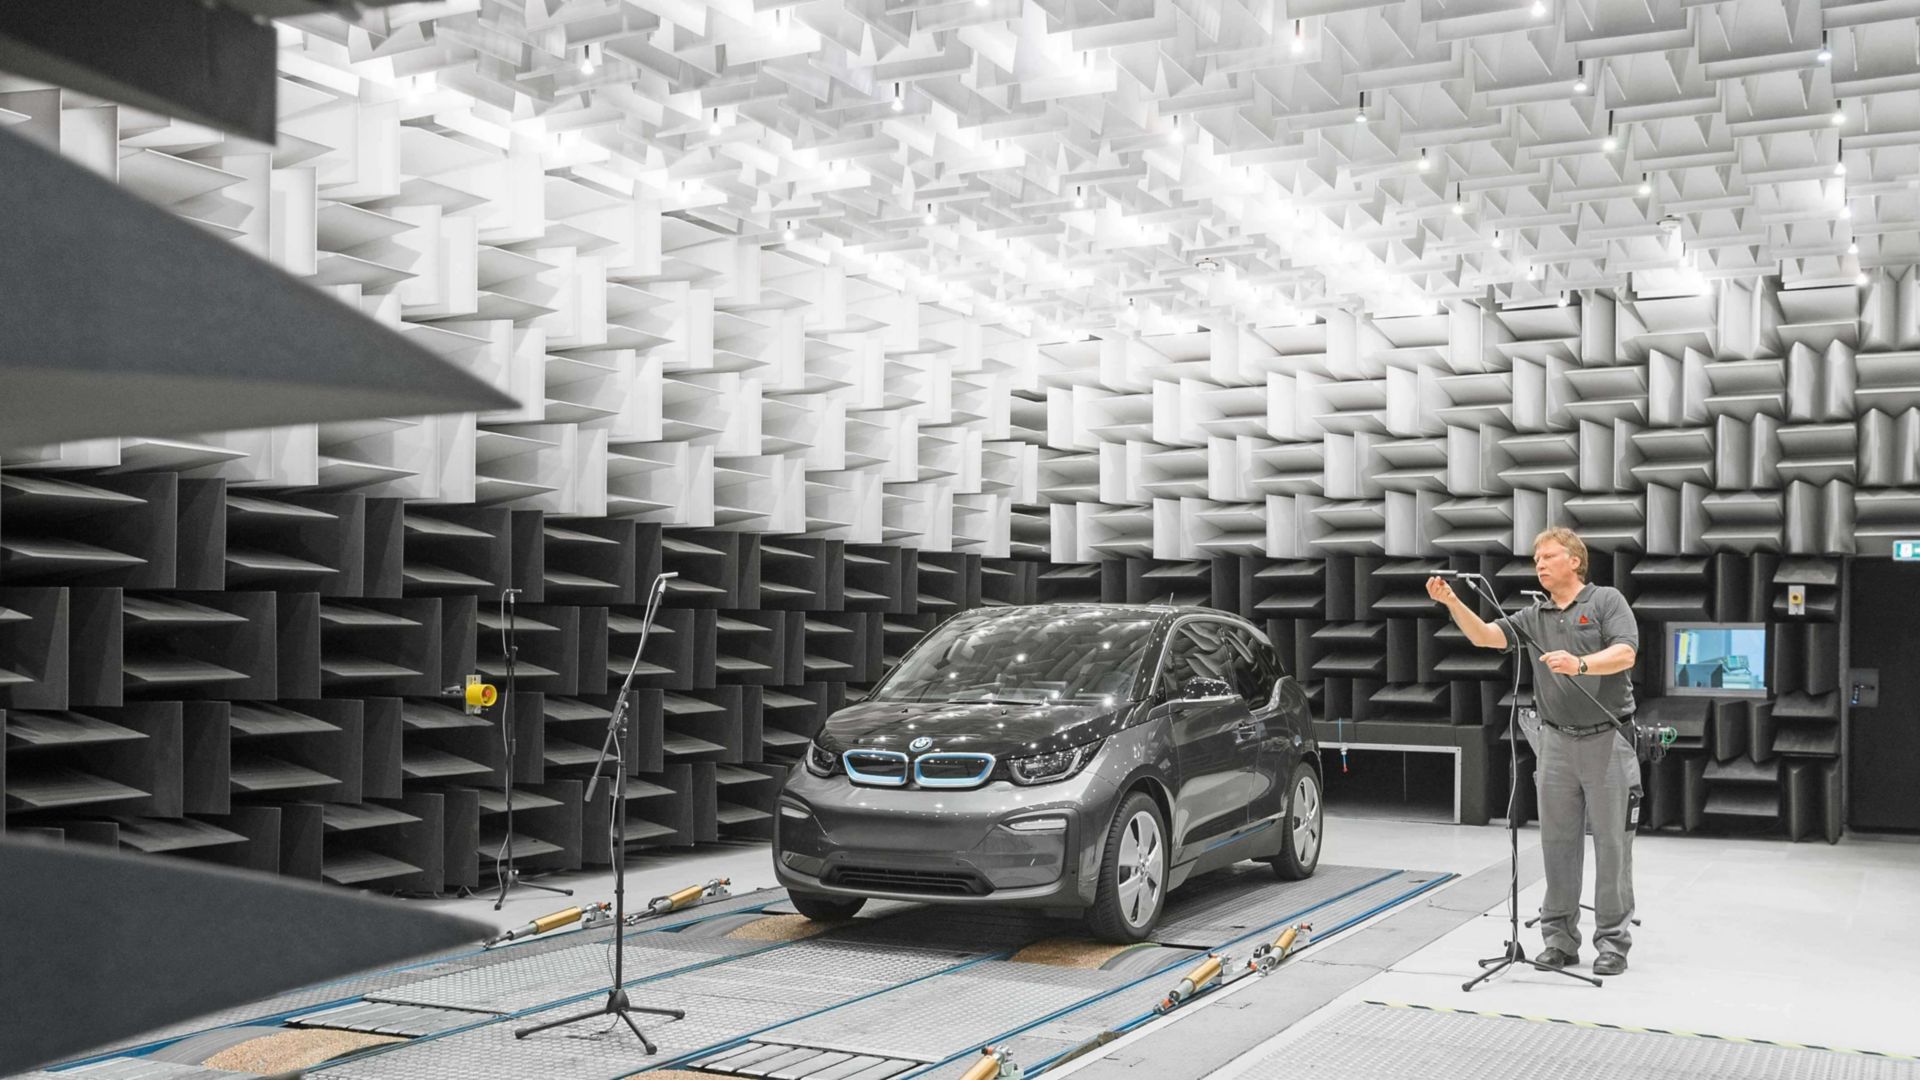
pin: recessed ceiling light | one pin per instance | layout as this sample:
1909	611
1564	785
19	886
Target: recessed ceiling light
1609	144
1853	248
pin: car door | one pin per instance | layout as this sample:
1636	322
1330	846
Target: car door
1213	749
1257	678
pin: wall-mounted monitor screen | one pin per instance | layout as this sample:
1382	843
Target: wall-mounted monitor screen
1717	659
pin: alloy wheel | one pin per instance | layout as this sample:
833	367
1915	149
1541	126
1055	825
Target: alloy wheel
1142	869
1306	819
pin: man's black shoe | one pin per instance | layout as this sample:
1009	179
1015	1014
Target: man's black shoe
1555	958
1610	963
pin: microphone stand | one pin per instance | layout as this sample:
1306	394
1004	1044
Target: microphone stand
1515	953
617	1003
504	869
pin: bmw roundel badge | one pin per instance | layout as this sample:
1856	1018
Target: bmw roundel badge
920	744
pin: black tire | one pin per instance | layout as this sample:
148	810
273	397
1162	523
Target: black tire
822	908
1302	838
1131	893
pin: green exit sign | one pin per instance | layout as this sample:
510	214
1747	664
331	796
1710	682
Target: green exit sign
1906	551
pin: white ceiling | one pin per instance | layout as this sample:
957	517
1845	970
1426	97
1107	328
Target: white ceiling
1066	164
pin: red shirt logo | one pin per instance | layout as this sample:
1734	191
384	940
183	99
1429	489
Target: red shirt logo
1583	620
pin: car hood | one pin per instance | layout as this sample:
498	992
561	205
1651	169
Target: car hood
1001	729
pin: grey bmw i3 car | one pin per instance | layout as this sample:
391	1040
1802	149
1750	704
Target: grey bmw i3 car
1082	758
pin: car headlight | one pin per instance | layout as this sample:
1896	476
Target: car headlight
821	761
1049	768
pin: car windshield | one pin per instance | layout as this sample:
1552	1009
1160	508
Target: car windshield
1034	656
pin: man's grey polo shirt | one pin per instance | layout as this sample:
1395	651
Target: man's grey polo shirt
1597	617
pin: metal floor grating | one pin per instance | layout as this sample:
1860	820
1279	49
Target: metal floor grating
356	986
933	1021
836	971
382	1018
531	981
1224	905
1382	1042
1045	1041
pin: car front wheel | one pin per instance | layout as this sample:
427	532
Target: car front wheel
1133	873
823	908
1305	824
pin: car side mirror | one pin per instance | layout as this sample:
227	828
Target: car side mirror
1202	687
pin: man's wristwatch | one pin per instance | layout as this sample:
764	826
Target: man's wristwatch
1583	665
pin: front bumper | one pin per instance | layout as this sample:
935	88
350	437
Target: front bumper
836	838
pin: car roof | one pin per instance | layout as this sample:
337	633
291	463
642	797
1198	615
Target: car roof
1161	613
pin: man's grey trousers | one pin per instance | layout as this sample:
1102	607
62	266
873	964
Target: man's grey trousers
1584	784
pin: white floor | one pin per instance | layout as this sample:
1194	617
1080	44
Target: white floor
1799	943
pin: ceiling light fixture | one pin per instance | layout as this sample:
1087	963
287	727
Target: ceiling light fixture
1839	168
1425	164
930	218
1080	198
899	103
1360	114
1853	248
790	234
1498	240
1846	212
1539	8
1609	144
1839	117
1860	278
715	128
1580	78
1825	55
1562	302
1299	43
1459	208
586	59
1645	187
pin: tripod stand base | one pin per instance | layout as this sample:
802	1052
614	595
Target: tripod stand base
1494	965
513	878
616	1005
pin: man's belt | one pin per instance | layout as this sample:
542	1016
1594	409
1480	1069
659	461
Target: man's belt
1590	729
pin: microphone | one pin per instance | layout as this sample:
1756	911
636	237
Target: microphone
1458	574
1538	596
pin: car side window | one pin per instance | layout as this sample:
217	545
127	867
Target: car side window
1253	666
1199	648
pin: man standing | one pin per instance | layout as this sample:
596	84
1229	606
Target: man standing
1587	773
